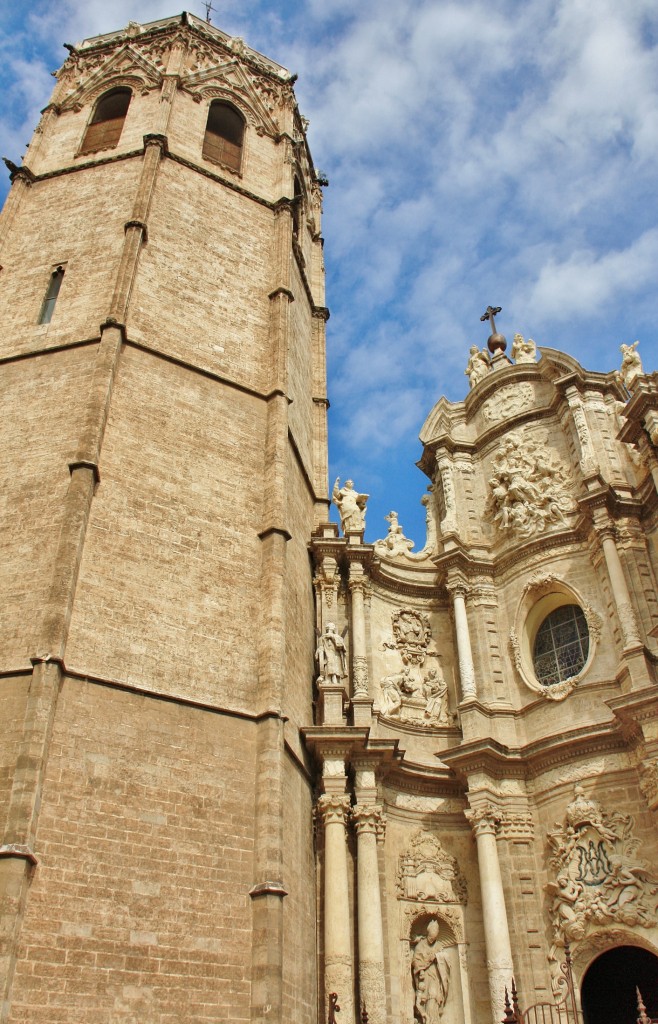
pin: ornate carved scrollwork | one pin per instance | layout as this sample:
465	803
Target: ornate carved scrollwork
598	881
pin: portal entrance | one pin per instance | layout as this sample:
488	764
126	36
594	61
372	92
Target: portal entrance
608	988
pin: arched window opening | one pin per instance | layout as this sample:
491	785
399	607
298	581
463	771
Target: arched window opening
104	129
561	645
222	142
50	298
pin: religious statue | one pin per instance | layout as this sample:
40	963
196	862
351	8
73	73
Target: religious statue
393	687
435	692
330	656
395	542
430	971
631	364
351	505
478	365
523	351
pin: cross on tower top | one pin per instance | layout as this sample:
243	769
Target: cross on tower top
489	314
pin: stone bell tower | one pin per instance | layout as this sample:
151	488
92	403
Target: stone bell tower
162	466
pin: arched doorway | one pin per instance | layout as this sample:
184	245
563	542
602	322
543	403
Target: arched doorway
608	988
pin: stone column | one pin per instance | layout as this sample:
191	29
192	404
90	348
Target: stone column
369	824
361	700
484	822
458	589
333	809
630	632
588	461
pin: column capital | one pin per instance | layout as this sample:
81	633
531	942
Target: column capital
368	818
333	808
484	820
457	584
358	583
604	528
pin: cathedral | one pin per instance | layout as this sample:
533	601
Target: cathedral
253	768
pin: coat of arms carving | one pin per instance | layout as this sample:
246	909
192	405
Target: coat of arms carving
412	633
427	872
598	880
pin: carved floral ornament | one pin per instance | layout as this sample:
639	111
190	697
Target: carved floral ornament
529	490
91	76
598	880
543	594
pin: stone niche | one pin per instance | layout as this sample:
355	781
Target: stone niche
432	893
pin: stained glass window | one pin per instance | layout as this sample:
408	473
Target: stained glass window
561	645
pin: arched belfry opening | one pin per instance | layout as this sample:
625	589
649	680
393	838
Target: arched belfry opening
608	991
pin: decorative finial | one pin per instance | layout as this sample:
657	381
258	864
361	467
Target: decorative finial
209	7
642	1017
497	342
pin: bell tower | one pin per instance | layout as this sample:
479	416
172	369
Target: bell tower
163	465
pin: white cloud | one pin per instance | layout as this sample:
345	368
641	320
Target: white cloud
586	280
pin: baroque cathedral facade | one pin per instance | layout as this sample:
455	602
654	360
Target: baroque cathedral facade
253	768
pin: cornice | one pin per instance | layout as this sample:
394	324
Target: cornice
191	25
528	762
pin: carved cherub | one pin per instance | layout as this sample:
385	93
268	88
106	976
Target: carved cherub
523	351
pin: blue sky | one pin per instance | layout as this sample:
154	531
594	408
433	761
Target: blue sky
477	153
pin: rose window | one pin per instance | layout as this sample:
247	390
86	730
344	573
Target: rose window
561	645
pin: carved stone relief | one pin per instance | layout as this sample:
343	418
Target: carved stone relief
412	633
427	872
88	75
428	804
508	402
414	695
598	880
649	781
529	489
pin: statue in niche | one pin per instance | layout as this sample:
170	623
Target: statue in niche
395	542
478	365
430	971
631	364
435	692
351	506
330	656
523	351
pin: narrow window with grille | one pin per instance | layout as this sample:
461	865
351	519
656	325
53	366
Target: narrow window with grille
222	142
104	129
50	298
